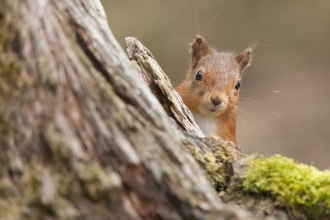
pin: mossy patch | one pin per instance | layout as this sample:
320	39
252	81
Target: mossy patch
25	201
53	185
13	79
99	183
299	186
217	160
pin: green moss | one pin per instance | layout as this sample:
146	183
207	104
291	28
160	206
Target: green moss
215	171
18	200
13	78
59	149
25	201
97	182
31	199
217	160
301	187
31	182
64	209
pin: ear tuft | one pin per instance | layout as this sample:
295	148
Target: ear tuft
199	50
244	59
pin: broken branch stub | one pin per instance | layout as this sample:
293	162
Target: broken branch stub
145	64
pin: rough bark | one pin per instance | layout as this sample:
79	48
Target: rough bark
144	63
82	135
223	162
274	187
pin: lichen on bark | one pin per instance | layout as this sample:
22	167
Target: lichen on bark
216	160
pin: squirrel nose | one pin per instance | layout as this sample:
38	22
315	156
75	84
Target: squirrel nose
216	100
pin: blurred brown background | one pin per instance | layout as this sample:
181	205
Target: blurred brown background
293	57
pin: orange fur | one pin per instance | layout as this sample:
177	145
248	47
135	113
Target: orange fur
213	95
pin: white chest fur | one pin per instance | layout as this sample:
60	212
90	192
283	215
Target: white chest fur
208	124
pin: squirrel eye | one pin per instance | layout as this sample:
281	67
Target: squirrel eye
199	76
238	84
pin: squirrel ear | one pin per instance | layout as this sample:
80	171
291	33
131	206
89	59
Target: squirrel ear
199	49
244	59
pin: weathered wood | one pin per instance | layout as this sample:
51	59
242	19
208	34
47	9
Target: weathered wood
145	64
83	136
204	149
223	162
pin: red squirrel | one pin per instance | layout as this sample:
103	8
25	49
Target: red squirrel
211	88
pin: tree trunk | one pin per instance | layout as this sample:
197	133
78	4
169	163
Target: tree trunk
82	136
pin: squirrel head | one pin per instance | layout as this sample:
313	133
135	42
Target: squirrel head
213	80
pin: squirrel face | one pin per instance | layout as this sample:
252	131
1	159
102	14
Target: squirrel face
213	80
211	88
